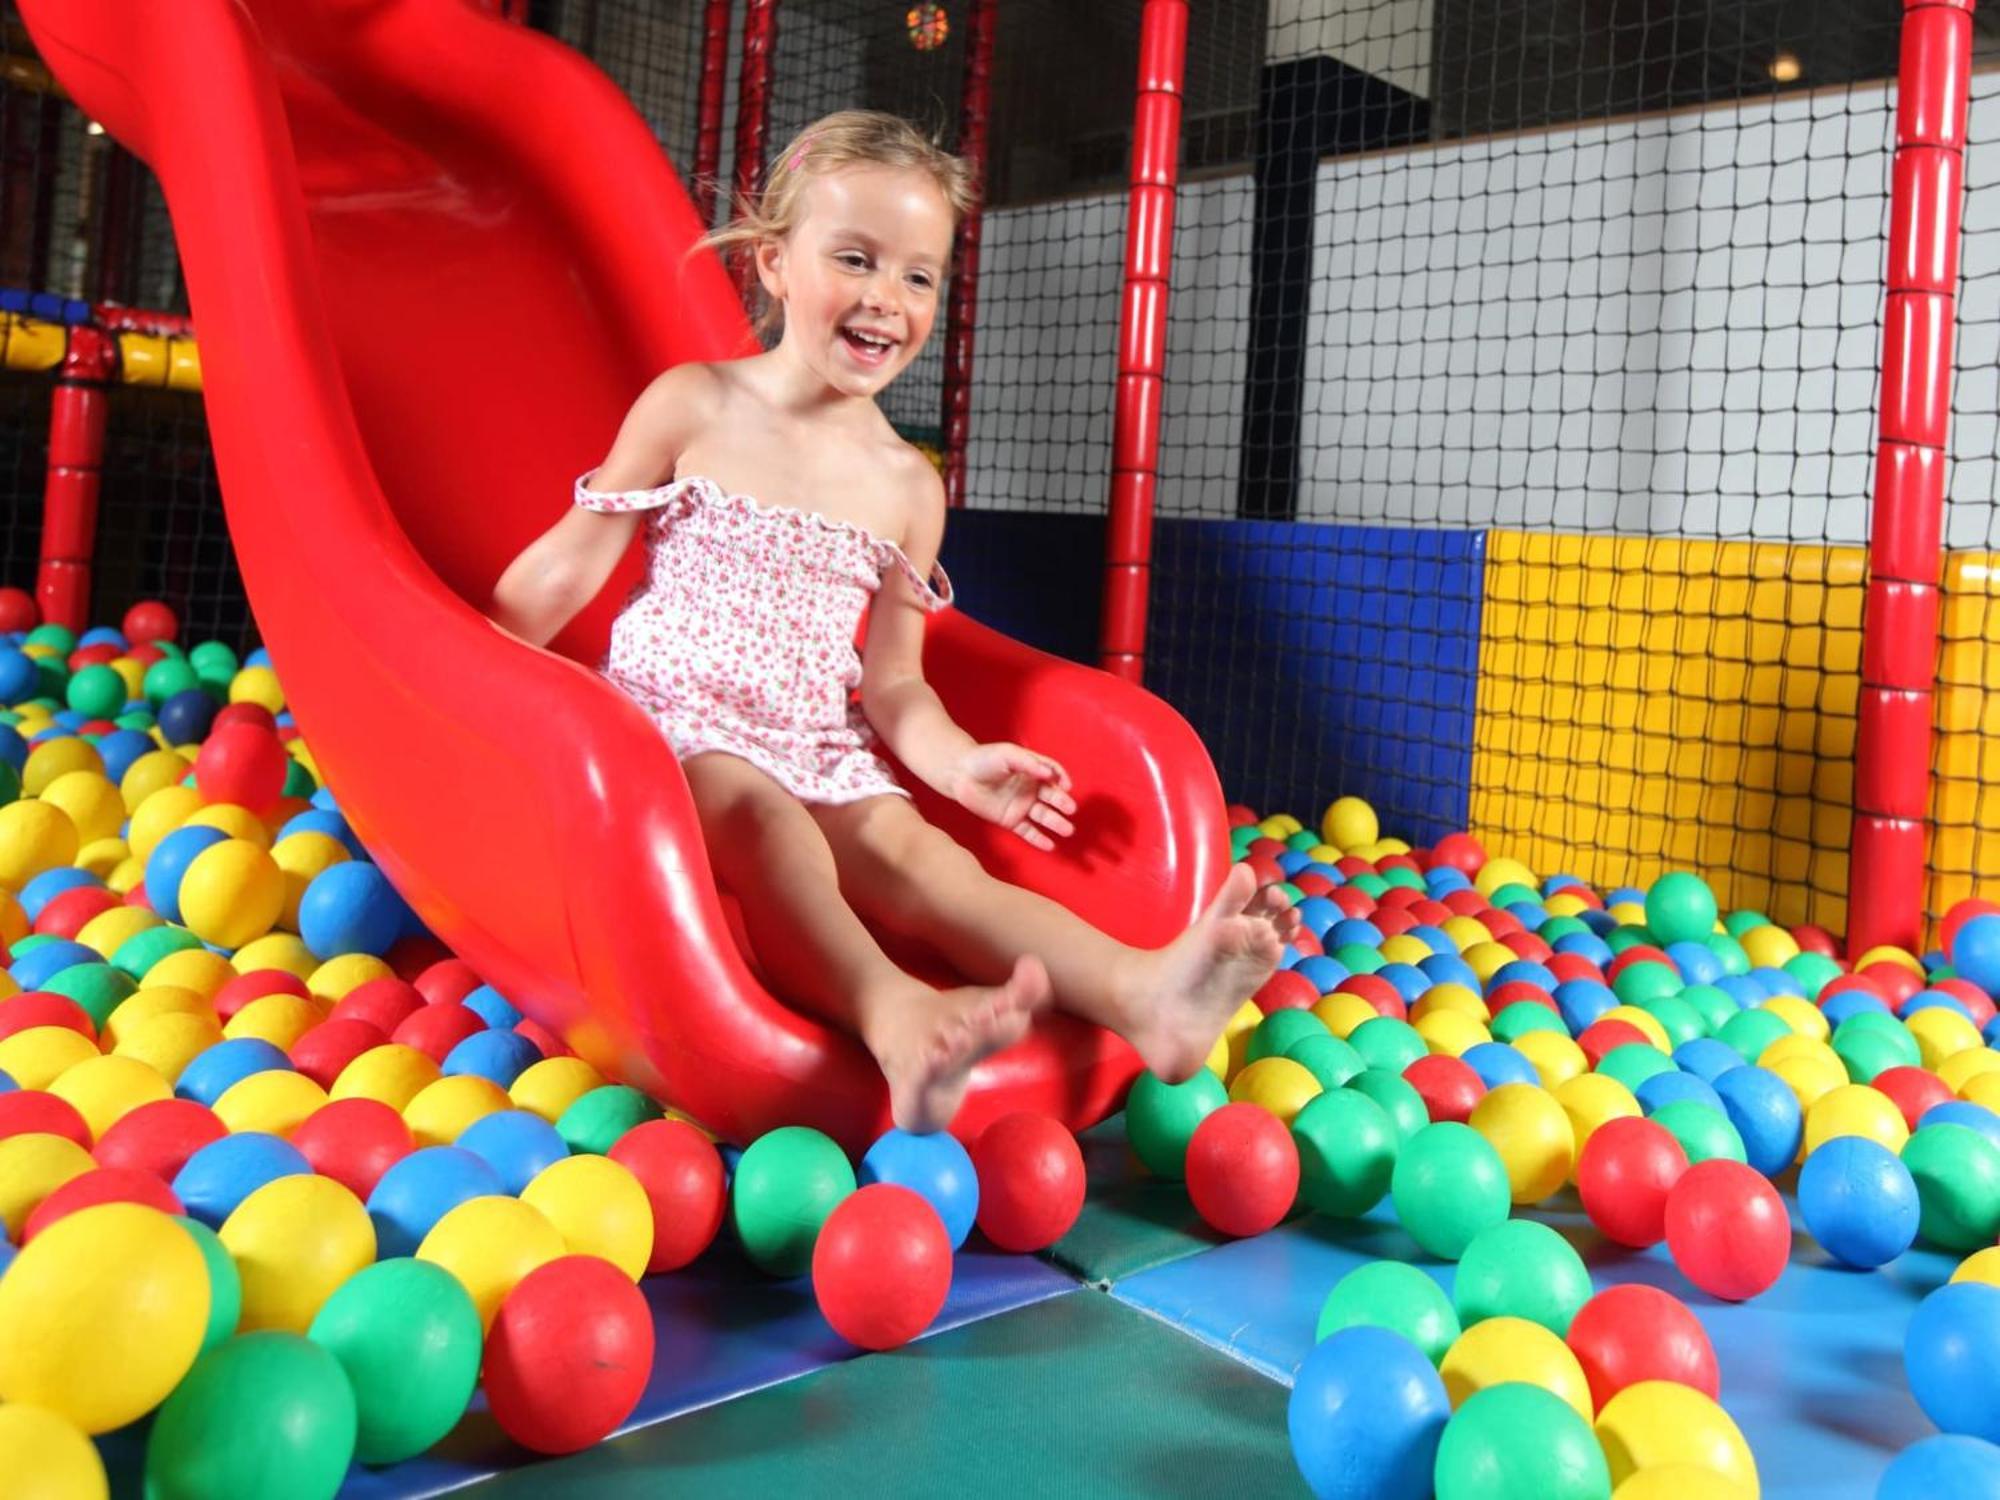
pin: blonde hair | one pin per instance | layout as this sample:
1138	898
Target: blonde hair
846	138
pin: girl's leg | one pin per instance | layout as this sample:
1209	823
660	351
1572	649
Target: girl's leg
769	853
1171	1003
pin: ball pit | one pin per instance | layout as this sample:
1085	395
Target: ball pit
1366	1414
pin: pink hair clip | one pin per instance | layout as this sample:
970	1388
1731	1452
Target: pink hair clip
799	151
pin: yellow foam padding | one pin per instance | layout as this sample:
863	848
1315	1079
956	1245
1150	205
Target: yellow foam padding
31	343
1965	757
1655	703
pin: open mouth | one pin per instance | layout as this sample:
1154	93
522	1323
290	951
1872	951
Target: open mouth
868	348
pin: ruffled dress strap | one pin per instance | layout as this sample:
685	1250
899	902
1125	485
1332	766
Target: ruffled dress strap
933	596
673	495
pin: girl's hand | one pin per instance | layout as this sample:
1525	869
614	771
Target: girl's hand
1016	788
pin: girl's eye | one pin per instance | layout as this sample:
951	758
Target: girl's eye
921	282
854	260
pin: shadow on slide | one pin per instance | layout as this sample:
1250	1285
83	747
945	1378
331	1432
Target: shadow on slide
432	257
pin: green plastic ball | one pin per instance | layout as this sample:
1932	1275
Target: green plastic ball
1388	1044
1330	1060
1409	880
1397	1096
142	950
1560	927
1277	1031
1523	1016
97	692
225	1285
1347	1152
214	658
1388	1294
1520	1269
407	1334
1681	1021
166	678
1304	841
594	1122
1703	1131
1680	908
1645	980
60	637
1867	1054
1958	1185
1728	952
785	1185
1515	1441
1447	1186
298	781
1813	970
1751	1031
98	988
1358	958
10	783
1888	1027
263	1416
1513	893
1618	939
1712	1005
136	719
1633	1063
1160	1118
1739	922
1370	884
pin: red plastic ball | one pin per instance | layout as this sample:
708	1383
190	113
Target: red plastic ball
1813	938
411	955
1860	983
69	913
1895	982
1392	923
95	655
1968	994
353	1141
1527	945
33	1008
1639	953
1501	924
881	1266
1242	1170
1378	992
1286	989
1265	844
1390	862
101	1185
1352	901
1626	1334
17	610
1267	869
159	1137
568	1355
36	1112
1568	966
1461	851
1600	1037
1030	1181
447	979
1239	816
1627	1169
436	1029
1398	897
545	1040
243	764
1311	883
325	1050
1448	1086
137	897
150	620
1727	1229
681	1172
253	714
255	985
1307	944
1520	992
146	654
1912	1090
1463	902
1429	912
386	1002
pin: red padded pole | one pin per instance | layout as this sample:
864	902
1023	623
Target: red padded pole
708	106
1892	756
975	104
1142	338
753	116
76	464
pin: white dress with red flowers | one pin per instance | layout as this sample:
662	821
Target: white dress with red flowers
740	637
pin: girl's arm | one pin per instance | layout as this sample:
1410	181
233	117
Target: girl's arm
560	572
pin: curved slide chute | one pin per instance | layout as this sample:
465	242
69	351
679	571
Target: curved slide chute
432	256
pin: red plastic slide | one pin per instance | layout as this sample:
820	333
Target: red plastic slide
432	257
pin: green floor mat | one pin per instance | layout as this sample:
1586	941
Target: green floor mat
1076	1396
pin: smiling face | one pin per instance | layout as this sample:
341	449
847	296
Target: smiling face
861	274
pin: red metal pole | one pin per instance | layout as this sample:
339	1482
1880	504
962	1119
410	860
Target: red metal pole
1892	758
708	106
753	116
1142	337
975	103
76	462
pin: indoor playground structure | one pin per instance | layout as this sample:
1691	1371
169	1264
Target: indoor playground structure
1521	479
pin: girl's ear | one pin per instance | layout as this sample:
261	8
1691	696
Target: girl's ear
769	257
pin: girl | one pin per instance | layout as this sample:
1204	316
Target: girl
777	499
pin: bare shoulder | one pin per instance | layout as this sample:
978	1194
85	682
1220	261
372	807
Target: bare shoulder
675	405
919	490
683	397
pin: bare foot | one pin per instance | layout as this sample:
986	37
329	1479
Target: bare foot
927	1046
1178	998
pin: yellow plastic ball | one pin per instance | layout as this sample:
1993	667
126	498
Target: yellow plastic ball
1405	949
34	836
1563	904
127	874
8	987
1592	1099
1349	821
276	1101
1325	854
168	1042
1392	846
1488	958
1768	947
277	950
489	1244
1855	1109
549	1087
1962	1067
54	758
1628	913
38	1056
1656	1422
102	1314
441	1111
334	978
151	1000
1272	827
257	685
279	1019
1810	1078
1465	932
48	1458
1942	1032
1527	1126
14	923
1887	954
1679	1482
1495	1351
108	931
598	1207
1498	872
1556	1058
150	772
106	1089
295	1240
159	815
92	802
1276	1084
301	858
1982	1088
1450	1033
1805	1018
1452	997
232	893
391	1073
1217	1061
1341	1012
1648	1024
1795	1045
133	673
1981	1265
1236	1032
33	1165
234	821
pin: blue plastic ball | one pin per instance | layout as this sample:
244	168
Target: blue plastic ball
1497	1063
214	1070
13	749
497	1053
1766	1114
1850	1003
1366	1412
1670	1087
37	965
1434	938
169	861
1442	880
1409	980
1291	861
1859	1201
1582	1001
7	1084
422	1188
1318	914
327	821
1779	982
120	748
1707	1058
349	908
48	885
516	1144
1963	1112
1952	1355
1965	1468
186	718
1524	971
492	1007
936	1167
1354	930
1744	989
1976	953
1698	965
18	677
1449	968
225	1172
1321	972
1934	1000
